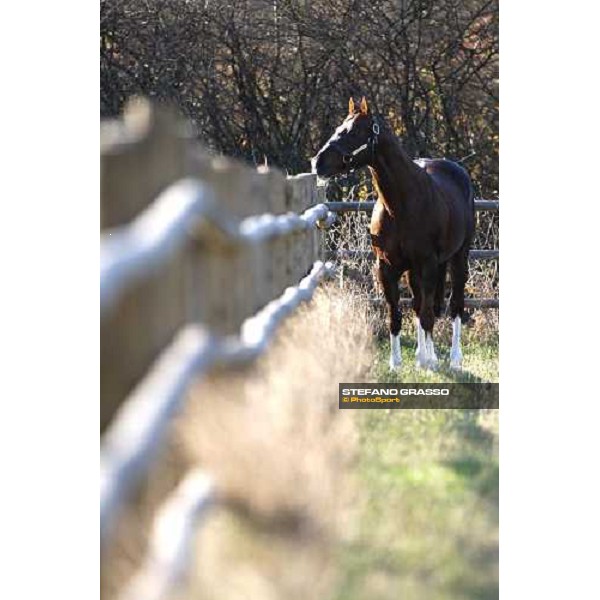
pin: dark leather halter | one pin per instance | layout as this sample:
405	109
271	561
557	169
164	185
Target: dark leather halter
349	158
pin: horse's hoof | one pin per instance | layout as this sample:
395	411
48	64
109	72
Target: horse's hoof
456	360
421	361
427	362
395	363
433	363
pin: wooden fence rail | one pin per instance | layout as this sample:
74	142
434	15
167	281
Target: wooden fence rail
132	439
175	225
131	253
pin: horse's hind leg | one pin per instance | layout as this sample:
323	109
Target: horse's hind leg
440	289
388	278
426	356
459	271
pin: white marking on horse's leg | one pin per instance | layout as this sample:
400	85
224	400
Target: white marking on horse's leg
395	353
456	352
420	335
421	356
432	358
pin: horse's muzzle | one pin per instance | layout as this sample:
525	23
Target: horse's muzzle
327	163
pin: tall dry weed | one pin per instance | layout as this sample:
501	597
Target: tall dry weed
280	453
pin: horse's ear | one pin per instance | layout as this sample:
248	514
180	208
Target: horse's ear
363	106
351	106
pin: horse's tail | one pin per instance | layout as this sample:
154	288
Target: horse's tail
463	180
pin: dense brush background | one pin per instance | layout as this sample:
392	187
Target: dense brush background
271	78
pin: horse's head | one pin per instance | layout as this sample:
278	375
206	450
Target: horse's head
352	144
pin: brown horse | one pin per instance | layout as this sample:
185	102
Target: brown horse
423	220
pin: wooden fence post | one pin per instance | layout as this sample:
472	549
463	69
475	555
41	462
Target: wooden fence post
141	156
300	196
142	153
277	248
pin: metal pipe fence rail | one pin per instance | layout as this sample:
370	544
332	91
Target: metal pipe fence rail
202	258
344	254
341	207
474	303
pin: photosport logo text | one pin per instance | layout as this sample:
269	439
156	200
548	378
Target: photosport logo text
422	395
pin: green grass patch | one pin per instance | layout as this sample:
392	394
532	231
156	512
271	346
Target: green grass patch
428	512
480	362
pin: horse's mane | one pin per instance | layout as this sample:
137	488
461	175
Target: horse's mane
385	126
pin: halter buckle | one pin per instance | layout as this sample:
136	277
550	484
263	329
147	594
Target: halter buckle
376	128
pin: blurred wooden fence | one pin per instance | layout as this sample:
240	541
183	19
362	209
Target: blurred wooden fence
201	258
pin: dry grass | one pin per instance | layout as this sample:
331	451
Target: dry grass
280	453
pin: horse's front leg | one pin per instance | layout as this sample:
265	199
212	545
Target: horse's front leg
426	356
388	277
415	287
459	270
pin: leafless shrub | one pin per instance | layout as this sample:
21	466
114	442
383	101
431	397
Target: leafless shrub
272	78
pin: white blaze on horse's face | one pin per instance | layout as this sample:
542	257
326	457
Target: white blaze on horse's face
343	129
332	158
